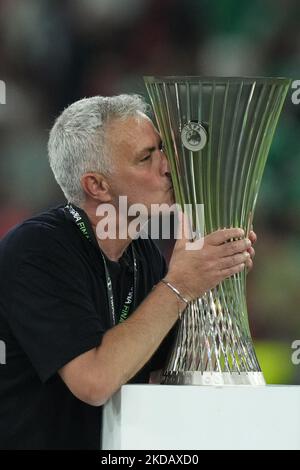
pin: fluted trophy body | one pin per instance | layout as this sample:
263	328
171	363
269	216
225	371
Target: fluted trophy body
217	134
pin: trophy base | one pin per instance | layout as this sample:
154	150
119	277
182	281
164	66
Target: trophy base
213	378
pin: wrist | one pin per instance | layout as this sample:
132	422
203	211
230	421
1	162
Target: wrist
182	301
178	283
169	292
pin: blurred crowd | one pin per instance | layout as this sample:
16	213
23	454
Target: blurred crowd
53	52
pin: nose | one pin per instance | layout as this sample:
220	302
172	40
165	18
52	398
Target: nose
165	166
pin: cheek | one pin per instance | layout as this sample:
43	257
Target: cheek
138	187
143	190
150	182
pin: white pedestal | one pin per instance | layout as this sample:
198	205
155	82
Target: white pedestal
161	417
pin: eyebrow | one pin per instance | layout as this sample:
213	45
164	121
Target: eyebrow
149	149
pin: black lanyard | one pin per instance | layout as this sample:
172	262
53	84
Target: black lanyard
84	226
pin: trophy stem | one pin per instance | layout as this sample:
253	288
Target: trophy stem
213	344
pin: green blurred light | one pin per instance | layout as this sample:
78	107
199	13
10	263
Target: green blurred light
275	361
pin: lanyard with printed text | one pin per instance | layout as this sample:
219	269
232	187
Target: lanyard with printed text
84	226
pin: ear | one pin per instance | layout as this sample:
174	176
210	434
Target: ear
96	186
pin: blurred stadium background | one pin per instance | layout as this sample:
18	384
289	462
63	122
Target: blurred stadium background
53	52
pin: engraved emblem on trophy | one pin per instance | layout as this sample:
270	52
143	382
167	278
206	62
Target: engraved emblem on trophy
217	134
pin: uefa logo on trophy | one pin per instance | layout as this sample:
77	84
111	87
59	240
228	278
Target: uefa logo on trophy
217	134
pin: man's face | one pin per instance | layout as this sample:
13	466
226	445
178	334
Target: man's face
141	170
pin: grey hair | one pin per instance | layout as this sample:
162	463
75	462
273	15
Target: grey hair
77	143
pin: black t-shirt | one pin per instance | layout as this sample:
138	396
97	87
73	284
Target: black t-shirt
54	307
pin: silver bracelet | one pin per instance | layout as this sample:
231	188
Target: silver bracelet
176	291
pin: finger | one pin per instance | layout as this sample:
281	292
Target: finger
235	260
182	226
231	271
251	252
234	247
184	233
223	235
252	236
249	264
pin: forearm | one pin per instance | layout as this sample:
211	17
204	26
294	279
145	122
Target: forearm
96	374
128	346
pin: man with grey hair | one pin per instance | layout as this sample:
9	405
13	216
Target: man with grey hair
78	311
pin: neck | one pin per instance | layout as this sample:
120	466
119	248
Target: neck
113	248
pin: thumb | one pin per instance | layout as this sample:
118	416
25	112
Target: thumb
184	232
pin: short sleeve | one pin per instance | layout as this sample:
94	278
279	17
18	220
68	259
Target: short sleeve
52	312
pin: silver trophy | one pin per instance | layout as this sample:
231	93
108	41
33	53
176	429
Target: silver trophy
217	133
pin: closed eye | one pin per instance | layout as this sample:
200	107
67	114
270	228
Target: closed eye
146	158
